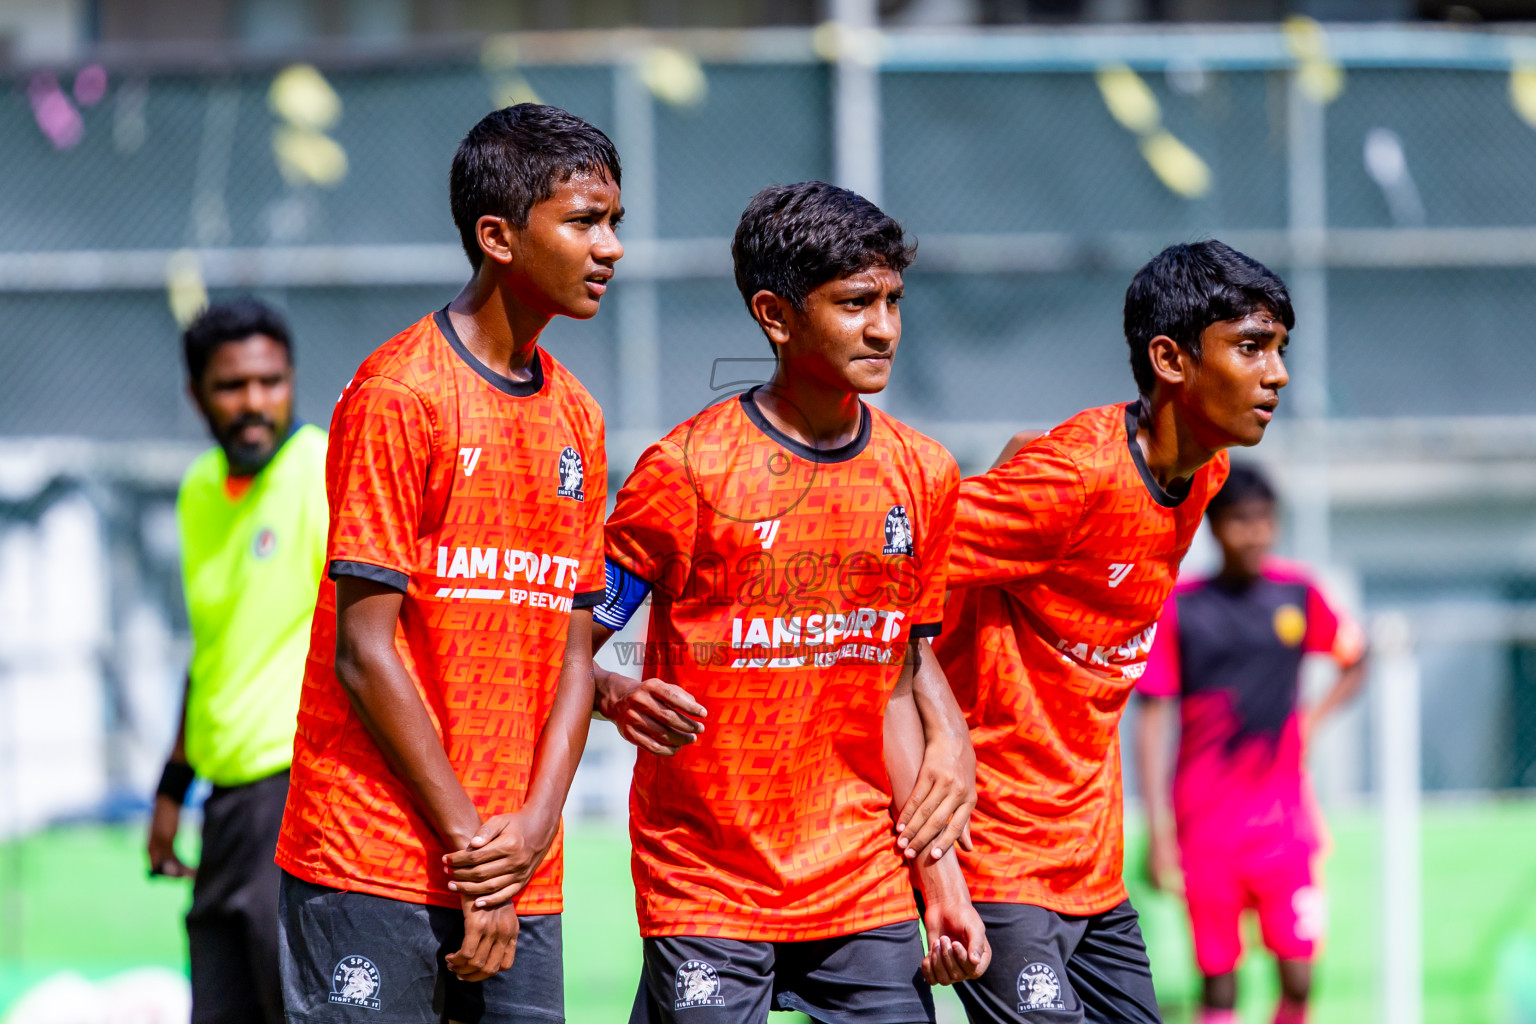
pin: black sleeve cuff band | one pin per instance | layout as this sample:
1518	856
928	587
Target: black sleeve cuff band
591	599
924	630
175	781
392	578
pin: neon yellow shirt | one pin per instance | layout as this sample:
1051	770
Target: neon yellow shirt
251	569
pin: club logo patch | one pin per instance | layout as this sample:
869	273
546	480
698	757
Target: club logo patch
572	475
264	543
1039	989
355	982
898	531
697	985
1290	625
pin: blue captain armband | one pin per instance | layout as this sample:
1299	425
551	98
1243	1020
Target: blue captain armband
623	594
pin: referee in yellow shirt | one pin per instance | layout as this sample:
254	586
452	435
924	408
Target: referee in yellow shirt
252	518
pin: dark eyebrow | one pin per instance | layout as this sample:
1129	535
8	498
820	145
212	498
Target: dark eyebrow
1256	332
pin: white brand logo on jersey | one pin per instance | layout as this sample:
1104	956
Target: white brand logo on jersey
470	458
1039	988
1118	571
767	531
697	984
355	982
572	475
898	531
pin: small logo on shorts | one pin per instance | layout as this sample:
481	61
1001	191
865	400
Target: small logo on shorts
697	985
1039	989
898	531
572	475
355	982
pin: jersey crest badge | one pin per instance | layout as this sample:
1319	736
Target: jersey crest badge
697	984
264	543
572	475
1290	625
898	531
355	982
1039	989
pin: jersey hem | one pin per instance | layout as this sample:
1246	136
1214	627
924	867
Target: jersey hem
393	578
925	630
1075	904
705	926
537	907
591	599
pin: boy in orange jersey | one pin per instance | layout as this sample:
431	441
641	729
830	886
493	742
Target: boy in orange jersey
466	477
1062	559
795	540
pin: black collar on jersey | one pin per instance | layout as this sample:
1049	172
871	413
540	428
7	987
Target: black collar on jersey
1164	497
821	455
515	388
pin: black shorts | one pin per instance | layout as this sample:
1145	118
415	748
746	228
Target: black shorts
1050	968
872	977
348	957
232	926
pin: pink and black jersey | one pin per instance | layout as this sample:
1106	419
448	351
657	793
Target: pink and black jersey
1233	654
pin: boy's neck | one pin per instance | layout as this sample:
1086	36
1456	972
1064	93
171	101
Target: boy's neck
1172	451
496	327
809	412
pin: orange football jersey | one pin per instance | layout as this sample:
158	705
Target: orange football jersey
788	584
1061	562
482	499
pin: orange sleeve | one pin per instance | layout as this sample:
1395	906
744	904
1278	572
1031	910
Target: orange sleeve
376	473
655	521
1013	522
933	569
589	586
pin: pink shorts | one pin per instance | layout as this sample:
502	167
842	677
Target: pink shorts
1281	884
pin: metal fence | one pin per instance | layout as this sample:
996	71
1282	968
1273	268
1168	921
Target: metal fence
1388	174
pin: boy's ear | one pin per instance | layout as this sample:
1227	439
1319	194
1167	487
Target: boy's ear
497	238
772	314
1170	363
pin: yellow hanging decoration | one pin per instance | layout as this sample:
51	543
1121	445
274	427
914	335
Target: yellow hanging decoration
307	106
1522	91
1319	75
1133	104
184	288
674	76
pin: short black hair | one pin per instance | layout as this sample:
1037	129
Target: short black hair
1186	288
224	322
794	238
518	156
1244	484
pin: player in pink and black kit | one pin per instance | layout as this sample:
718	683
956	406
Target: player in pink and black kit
1228	656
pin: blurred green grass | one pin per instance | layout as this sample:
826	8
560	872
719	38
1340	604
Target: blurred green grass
77	898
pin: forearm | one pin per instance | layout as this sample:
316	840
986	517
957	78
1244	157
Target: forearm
939	712
1344	690
1153	736
565	734
939	880
179	748
386	701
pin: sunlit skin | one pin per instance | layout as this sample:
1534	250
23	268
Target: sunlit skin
841	344
559	264
1225	398
246	395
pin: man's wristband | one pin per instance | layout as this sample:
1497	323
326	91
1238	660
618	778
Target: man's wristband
175	781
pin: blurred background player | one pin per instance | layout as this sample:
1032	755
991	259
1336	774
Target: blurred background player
442	708
1062	559
1227	659
252	518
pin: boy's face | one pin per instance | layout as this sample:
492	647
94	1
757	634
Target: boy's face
560	264
1246	532
1230	394
846	336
